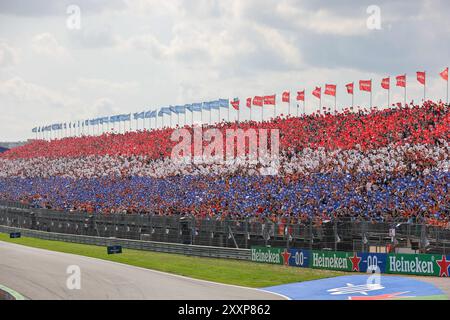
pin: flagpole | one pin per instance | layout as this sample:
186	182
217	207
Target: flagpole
335	98
353	98
424	86
371	93
405	93
275	110
389	96
353	95
289	110
239	113
447	91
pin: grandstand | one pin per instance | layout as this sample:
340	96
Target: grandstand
378	165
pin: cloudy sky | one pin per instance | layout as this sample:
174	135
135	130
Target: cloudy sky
132	55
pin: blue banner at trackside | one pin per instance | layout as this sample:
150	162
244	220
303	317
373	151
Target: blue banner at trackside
299	258
372	262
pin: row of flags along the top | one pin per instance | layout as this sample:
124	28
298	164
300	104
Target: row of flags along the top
260	101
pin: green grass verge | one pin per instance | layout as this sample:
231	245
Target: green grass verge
243	273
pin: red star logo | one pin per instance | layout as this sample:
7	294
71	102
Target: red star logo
286	255
443	266
355	262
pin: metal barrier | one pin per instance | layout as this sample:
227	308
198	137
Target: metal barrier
339	235
190	250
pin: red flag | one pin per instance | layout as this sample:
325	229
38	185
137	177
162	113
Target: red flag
286	96
421	77
317	92
444	74
249	102
330	89
386	83
401	81
350	87
301	95
258	101
235	104
365	85
270	100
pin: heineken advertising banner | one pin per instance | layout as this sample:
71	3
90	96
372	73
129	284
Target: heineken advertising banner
331	260
267	255
415	264
419	264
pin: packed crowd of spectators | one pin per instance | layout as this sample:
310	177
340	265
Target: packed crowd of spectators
379	165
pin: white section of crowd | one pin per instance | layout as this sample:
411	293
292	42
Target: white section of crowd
393	158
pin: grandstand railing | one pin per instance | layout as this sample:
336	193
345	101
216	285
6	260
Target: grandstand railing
361	236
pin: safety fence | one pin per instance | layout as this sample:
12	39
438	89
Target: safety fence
190	250
338	235
412	264
393	263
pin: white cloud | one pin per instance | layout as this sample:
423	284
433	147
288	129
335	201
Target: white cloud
104	106
46	44
9	56
21	91
101	85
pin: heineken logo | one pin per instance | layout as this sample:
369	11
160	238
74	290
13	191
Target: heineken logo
266	255
329	261
413	264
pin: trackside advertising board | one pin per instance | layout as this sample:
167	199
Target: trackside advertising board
266	255
331	260
414	264
419	264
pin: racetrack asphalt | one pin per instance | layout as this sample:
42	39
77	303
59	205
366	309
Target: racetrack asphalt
42	275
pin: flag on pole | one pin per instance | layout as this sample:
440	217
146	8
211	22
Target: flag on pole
365	85
386	83
301	95
401	81
421	77
444	74
235	104
258	101
150	114
350	88
286	97
249	102
269	100
139	115
330	89
317	92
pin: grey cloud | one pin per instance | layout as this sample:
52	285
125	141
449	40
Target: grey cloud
55	7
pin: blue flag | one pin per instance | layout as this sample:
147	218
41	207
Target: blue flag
224	103
139	115
125	117
215	104
150	114
180	109
194	107
206	106
113	119
162	111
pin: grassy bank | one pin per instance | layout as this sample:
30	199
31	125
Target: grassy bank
234	272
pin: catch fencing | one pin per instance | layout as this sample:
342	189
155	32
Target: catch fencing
338	235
